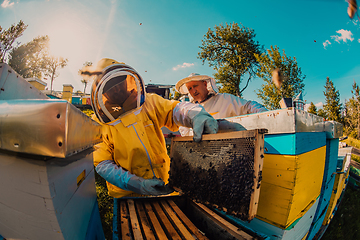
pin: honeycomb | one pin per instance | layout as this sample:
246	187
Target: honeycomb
217	172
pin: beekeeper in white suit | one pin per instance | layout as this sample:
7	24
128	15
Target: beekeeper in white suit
202	89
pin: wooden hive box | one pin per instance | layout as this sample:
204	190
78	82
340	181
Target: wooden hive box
223	170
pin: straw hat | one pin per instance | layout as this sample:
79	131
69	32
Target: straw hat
181	85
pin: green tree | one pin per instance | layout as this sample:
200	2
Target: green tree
52	66
352	116
322	113
291	73
85	80
332	107
29	60
8	37
176	96
230	49
312	108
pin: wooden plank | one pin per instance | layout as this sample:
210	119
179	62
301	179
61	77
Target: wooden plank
155	222
124	221
172	216
187	221
163	218
356	151
145	224
355	164
134	220
228	227
224	135
258	166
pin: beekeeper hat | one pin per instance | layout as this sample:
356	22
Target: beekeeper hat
211	86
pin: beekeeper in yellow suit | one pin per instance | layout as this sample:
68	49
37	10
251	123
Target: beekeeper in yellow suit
132	157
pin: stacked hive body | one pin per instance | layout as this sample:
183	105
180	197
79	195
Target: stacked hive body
303	174
46	170
223	170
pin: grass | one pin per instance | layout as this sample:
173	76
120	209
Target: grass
355	158
346	222
352	142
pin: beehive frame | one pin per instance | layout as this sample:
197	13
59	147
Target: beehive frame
223	170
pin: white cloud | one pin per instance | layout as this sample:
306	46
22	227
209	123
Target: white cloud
319	105
7	3
344	36
327	42
184	65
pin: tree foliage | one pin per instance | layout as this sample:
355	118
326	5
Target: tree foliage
322	113
176	96
29	59
332	107
352	110
33	59
293	77
230	49
312	108
52	66
8	37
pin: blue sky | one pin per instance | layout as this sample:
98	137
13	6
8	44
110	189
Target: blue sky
161	39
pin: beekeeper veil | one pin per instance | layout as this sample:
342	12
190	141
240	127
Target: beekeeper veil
117	89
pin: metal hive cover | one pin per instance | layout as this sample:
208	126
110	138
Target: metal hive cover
223	170
13	86
53	128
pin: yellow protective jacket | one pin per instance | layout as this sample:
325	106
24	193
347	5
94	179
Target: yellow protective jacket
135	138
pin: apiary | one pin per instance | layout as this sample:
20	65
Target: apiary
223	170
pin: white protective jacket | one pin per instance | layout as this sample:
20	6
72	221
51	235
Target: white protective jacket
219	105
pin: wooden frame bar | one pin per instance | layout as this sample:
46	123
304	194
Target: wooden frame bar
154	219
172	218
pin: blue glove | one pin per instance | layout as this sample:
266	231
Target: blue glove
203	122
154	186
117	176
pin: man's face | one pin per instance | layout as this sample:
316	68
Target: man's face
198	90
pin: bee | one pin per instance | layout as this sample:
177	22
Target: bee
277	78
352	9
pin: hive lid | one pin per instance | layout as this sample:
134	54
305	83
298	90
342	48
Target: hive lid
288	120
48	127
13	86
